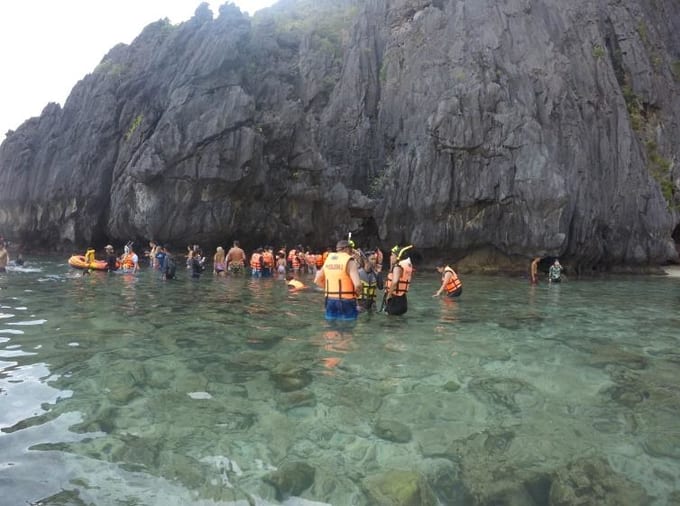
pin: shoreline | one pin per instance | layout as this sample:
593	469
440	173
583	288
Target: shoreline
672	270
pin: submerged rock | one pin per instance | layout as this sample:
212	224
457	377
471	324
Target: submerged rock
399	488
451	386
288	377
291	478
593	481
391	430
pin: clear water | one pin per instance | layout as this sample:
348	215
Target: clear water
128	390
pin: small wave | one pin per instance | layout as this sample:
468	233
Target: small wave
12	268
30	322
199	395
11	331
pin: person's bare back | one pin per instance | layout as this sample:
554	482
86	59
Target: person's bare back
236	255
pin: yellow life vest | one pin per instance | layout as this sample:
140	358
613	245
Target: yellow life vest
295	284
338	283
368	290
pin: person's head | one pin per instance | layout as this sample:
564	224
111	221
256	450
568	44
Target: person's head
556	262
398	253
237	244
220	249
440	266
342	245
108	248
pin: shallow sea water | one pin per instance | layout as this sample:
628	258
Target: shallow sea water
128	390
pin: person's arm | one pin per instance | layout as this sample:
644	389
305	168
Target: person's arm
320	279
353	271
379	280
445	280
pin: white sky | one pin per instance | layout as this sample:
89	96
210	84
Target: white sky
47	46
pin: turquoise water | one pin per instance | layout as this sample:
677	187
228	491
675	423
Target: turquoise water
126	390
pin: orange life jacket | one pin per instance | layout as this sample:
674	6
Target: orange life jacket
454	283
338	283
256	261
296	261
268	259
404	280
127	262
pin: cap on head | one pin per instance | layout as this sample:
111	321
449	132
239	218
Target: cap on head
342	244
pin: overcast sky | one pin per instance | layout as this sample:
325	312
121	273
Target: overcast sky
47	46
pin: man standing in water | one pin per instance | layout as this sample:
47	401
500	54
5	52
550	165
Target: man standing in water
236	259
339	277
4	257
533	270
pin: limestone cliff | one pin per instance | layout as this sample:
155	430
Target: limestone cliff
483	130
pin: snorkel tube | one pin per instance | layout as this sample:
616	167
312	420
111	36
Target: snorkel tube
402	251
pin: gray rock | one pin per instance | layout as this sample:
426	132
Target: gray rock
487	132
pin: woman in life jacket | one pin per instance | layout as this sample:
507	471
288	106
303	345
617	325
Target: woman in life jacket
451	283
129	262
398	281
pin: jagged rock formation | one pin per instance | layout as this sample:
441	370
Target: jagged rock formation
487	131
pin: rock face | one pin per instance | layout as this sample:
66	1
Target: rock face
504	130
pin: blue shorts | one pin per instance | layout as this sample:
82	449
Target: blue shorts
341	309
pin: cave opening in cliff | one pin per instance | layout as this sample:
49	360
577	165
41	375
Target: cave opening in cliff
676	237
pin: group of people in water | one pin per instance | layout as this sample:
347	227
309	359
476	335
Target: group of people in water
554	272
350	278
